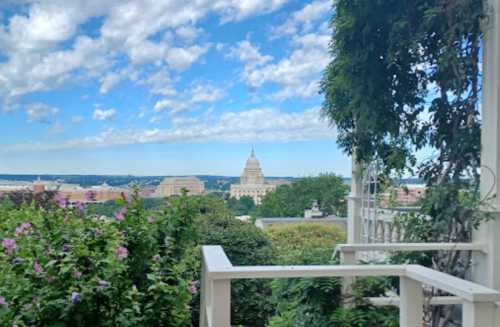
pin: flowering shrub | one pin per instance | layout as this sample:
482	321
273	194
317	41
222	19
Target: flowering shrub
60	266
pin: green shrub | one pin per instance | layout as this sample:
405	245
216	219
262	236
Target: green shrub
305	243
61	267
244	244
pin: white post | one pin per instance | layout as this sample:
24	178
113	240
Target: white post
486	267
411	307
221	303
348	258
354	223
478	314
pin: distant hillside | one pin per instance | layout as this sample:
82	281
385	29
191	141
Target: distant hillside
221	183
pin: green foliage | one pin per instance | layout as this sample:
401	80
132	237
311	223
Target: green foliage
68	268
244	244
243	206
291	200
305	243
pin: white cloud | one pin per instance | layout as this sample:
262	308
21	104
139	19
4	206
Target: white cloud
249	54
100	114
197	94
40	112
77	119
109	81
256	125
44	49
304	19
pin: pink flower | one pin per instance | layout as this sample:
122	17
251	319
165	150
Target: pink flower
122	252
120	215
2	301
38	268
126	197
80	207
23	229
10	245
77	274
61	201
90	196
193	287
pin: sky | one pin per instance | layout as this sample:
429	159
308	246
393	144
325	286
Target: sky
164	87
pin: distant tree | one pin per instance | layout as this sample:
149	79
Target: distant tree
291	200
243	206
18	198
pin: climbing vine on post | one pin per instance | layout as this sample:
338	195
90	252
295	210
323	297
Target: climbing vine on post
405	77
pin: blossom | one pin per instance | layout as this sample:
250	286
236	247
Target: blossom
38	268
126	197
16	261
122	252
67	247
77	274
193	287
157	257
80	207
10	245
151	220
61	201
3	302
120	215
23	229
90	196
75	297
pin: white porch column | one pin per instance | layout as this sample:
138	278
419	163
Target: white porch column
478	314
411	307
486	267
354	222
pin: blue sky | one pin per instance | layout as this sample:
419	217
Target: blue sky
164	87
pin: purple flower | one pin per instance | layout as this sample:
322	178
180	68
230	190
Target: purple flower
16	261
38	268
23	229
75	297
193	287
61	201
2	301
103	284
80	207
122	252
10	245
119	215
157	257
67	247
77	274
90	196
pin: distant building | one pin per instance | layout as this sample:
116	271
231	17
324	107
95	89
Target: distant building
252	182
406	195
100	193
174	186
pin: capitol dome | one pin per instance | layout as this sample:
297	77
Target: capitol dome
252	174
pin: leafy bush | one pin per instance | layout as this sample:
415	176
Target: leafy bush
61	267
305	243
244	244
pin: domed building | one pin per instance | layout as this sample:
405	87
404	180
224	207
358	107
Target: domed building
252	182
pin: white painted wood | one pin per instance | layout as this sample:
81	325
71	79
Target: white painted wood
486	268
411	308
394	301
221	303
478	314
215	258
247	272
467	290
354	222
348	258
408	247
204	294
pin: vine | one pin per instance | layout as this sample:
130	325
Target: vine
405	79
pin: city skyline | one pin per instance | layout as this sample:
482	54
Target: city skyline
125	88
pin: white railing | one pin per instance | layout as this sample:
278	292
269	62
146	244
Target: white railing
478	301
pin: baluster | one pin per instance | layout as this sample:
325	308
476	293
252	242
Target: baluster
411	308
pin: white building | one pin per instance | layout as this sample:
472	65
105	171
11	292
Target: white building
174	186
252	182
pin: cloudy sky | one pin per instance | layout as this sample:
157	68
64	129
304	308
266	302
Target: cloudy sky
164	87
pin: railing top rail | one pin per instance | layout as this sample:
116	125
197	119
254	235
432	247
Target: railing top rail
465	289
218	266
408	247
215	258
